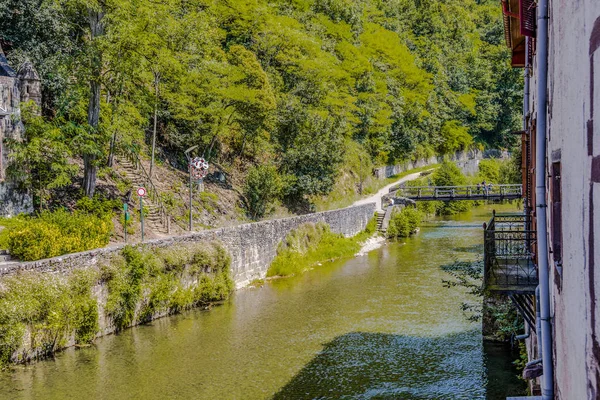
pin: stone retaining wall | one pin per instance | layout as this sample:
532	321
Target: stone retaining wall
252	246
467	161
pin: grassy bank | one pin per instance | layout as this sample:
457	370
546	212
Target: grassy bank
41	313
311	244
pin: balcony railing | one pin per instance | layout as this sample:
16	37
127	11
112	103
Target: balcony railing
509	255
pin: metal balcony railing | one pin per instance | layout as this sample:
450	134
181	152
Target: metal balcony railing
509	255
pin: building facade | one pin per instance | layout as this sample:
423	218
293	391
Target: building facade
562	128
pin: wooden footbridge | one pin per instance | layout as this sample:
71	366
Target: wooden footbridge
452	193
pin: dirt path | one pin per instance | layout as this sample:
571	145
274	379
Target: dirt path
385	190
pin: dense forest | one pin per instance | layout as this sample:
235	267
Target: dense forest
296	88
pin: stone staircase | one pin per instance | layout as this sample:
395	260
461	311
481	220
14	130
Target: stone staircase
6	259
138	178
380	216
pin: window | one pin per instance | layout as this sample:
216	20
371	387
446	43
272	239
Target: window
556	214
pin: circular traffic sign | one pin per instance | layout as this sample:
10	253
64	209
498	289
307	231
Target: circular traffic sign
141	191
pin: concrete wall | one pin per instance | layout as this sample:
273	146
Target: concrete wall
467	161
574	141
252	246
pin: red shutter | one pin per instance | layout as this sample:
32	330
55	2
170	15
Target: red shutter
527	11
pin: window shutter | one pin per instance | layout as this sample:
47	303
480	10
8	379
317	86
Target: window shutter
556	198
527	11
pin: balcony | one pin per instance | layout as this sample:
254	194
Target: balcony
509	255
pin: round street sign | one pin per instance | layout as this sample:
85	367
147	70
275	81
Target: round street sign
141	191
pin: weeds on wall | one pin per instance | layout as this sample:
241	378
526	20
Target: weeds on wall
144	284
311	244
41	313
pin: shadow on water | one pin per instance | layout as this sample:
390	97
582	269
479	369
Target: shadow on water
474	249
363	365
502	375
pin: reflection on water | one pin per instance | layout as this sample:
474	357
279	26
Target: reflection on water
377	326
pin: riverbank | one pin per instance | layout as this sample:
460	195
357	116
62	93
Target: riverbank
384	321
96	293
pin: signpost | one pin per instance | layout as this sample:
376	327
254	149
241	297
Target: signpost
141	192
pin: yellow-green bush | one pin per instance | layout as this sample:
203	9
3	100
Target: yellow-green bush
404	223
51	234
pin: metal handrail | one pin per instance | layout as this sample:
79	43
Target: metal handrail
151	189
468	190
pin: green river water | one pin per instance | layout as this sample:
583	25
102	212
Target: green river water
373	327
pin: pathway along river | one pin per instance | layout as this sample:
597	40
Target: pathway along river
377	326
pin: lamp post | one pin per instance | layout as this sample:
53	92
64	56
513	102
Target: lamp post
189	159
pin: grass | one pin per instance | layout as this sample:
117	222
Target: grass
311	244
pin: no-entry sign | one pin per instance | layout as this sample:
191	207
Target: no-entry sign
141	192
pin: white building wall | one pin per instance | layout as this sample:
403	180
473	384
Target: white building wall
576	351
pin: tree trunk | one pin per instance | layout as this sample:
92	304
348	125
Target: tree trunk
89	160
156	79
111	153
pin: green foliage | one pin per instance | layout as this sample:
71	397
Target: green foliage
455	137
500	171
448	174
291	84
263	187
51	234
49	308
98	206
489	171
404	223
144	283
41	160
310	244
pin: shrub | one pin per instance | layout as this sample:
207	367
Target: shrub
450	175
455	137
263	187
489	171
98	206
404	223
52	234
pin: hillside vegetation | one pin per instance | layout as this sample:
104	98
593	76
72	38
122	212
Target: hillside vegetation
297	94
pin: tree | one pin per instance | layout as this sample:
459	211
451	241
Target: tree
263	187
41	160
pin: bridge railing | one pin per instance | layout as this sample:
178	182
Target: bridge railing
459	191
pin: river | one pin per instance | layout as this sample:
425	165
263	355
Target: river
373	327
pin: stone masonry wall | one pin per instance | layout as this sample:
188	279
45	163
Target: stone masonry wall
467	161
252	246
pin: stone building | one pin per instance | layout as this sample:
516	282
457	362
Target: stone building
15	88
550	265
